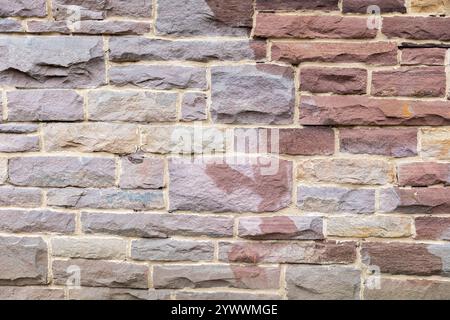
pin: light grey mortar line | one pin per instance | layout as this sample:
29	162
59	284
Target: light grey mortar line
49	11
78	224
420	135
447	72
294	193
269	51
405	277
106	56
360	266
216	251
255	13
189	63
297	84
408	7
48	241
208	95
151	283
178	106
154	17
166	181
369	82
4	105
85	95
283	283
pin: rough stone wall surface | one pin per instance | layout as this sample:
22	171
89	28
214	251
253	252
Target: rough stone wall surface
123	123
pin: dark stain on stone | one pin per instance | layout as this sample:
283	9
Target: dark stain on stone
136	158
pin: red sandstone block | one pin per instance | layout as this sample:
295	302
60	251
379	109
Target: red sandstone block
297	5
359	110
407	258
425	56
423	174
410	82
335	80
270	25
377	53
432	228
417	28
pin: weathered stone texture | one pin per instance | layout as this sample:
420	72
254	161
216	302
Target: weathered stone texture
436	143
432	228
36	221
410	81
288	252
26	197
109	198
221	186
345	171
86	293
369	226
23	8
171	250
204	17
157	225
431	56
132	106
103	9
211	276
253	94
193	107
10	25
224	149
417	28
381	53
358	110
30	293
62	172
100	273
281	228
10	143
415	200
312	27
182	140
91	137
52	62
159	77
362	6
3	170
89	248
409	289
431	6
141	173
335	200
142	49
407	258
386	141
322	283
423	174
45	105
297	4
335	80
23	261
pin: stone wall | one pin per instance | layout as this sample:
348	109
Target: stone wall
239	149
